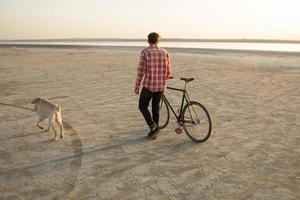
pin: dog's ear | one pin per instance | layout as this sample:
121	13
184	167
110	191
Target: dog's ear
35	100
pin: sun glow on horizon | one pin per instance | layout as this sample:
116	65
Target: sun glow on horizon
207	19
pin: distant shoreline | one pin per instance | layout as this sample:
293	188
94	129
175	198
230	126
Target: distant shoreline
163	39
138	48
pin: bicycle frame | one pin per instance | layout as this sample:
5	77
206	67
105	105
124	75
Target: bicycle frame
192	116
185	98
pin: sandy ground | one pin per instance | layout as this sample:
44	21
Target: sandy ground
253	152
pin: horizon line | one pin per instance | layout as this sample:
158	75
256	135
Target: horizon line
163	39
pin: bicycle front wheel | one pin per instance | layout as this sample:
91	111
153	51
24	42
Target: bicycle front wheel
164	114
196	122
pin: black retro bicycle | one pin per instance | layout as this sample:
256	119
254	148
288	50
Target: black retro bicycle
192	116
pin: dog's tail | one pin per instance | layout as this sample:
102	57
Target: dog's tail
58	119
58	108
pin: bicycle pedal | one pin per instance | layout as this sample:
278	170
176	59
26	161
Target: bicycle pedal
178	130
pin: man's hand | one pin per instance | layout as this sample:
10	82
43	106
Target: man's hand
137	90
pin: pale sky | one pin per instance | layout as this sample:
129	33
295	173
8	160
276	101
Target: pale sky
207	19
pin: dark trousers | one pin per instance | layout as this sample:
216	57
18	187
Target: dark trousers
145	98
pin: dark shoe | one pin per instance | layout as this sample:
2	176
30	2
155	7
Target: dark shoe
153	134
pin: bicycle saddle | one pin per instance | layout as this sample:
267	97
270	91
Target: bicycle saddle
187	79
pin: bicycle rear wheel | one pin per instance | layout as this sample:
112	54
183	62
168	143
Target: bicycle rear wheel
196	122
164	114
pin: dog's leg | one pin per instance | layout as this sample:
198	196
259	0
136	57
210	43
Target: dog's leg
56	136
59	122
49	126
38	124
62	134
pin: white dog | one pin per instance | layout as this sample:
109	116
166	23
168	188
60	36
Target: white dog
48	110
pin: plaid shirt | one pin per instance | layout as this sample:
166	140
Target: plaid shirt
154	68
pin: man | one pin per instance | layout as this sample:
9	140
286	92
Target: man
154	69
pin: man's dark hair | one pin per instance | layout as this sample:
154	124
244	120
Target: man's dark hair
153	38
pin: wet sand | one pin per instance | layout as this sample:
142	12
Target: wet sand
253	152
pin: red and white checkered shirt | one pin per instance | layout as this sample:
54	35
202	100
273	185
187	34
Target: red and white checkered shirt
154	68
